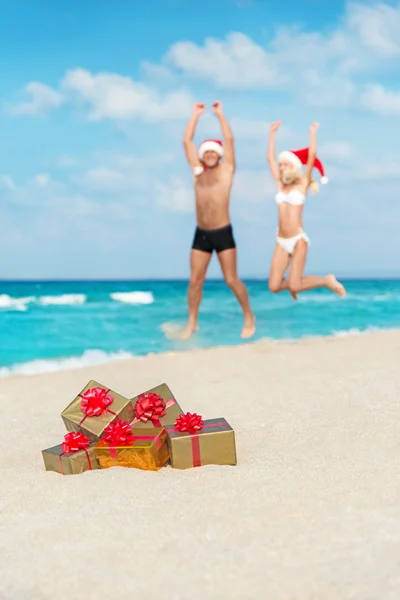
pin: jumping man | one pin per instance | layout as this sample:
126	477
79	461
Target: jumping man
213	167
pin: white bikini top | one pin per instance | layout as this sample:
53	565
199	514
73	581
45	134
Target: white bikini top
294	197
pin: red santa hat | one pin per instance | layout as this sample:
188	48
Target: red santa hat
298	158
211	146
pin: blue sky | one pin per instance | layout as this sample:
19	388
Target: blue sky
94	99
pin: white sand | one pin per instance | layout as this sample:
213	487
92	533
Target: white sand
312	511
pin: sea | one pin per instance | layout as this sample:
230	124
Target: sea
58	325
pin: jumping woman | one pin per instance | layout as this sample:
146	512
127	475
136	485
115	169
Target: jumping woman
292	242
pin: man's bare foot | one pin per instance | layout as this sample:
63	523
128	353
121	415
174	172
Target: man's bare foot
249	327
188	331
335	286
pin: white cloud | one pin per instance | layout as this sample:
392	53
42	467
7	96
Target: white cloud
42	179
7	182
55	200
376	28
65	161
157	73
376	170
42	99
113	96
335	151
253	186
121	173
320	68
175	195
236	62
247	129
382	101
103	179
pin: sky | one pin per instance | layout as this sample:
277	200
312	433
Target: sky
94	99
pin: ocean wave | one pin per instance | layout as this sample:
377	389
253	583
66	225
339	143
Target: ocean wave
133	297
9	303
355	331
62	299
89	358
325	298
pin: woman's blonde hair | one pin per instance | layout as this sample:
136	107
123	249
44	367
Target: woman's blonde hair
314	187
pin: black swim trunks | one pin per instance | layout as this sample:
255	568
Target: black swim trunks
208	240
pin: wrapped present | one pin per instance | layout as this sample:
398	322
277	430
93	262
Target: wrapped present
74	456
194	442
155	408
122	446
94	409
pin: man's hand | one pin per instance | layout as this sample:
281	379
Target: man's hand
199	108
229	149
314	127
217	108
275	126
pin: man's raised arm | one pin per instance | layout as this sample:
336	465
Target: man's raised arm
229	148
190	147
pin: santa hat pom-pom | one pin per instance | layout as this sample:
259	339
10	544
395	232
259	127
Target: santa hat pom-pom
324	180
198	170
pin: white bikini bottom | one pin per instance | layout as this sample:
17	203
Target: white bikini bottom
289	244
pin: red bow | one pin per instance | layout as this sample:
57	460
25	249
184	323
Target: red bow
75	441
150	406
119	433
190	422
95	402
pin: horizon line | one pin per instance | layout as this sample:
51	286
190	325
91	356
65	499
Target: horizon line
180	279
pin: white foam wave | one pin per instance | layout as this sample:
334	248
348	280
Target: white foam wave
171	331
324	298
133	297
63	299
355	331
89	358
384	297
10	303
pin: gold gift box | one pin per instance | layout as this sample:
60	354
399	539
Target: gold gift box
212	445
71	463
173	409
93	427
147	454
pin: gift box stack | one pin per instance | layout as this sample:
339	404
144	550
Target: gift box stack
147	432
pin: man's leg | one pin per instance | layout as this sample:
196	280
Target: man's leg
199	262
228	262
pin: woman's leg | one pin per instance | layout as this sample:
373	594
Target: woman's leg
298	283
279	264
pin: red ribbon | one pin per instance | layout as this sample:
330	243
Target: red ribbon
74	442
95	402
150	407
192	423
119	433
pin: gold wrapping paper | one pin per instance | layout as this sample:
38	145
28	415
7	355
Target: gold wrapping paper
142	454
72	463
213	445
93	427
173	411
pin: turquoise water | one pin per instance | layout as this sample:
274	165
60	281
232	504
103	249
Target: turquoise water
55	325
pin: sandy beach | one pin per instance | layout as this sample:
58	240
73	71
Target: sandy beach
311	512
